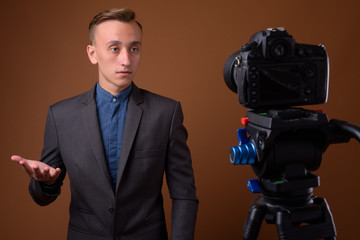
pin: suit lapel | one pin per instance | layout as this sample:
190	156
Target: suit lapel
91	123
133	117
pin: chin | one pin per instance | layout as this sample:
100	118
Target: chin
123	84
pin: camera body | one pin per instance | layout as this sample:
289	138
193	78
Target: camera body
273	71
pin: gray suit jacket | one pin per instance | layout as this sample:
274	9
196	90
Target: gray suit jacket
154	143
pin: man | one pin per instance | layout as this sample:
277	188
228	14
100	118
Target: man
115	142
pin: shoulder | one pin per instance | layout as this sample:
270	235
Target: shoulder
154	104
71	108
147	97
76	101
157	97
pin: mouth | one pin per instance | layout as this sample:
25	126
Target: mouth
123	73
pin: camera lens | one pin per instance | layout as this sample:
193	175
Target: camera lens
229	72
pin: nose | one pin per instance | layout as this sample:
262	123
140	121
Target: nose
124	58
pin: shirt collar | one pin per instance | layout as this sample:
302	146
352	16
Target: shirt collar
104	95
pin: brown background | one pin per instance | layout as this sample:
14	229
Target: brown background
186	44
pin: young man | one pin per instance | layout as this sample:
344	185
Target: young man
115	142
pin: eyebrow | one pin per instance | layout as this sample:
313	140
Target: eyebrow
116	42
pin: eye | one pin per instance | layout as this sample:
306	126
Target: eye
114	49
134	49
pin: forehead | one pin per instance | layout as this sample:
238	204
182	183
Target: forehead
113	30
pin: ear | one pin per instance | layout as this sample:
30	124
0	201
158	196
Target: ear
91	54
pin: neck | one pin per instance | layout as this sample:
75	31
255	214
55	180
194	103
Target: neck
113	89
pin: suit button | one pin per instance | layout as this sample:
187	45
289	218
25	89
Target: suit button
111	210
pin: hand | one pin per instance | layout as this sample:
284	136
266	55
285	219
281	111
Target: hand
38	170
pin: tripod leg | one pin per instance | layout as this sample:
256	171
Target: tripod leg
320	226
331	229
254	219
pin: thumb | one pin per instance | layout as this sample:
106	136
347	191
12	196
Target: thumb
17	158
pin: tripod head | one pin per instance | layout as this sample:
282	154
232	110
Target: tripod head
285	146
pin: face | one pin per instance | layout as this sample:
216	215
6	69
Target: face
116	50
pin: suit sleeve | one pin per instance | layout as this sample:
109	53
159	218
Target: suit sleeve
180	180
42	194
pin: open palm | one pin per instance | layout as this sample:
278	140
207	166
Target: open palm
38	170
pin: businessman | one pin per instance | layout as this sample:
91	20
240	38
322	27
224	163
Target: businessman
115	142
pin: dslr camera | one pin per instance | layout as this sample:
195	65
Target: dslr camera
273	71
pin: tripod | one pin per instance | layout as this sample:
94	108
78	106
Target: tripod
304	217
283	148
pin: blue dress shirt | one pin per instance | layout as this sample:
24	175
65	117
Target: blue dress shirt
112	114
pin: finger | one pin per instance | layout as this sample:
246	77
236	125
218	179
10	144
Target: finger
56	173
46	173
24	163
26	166
17	158
37	172
53	175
